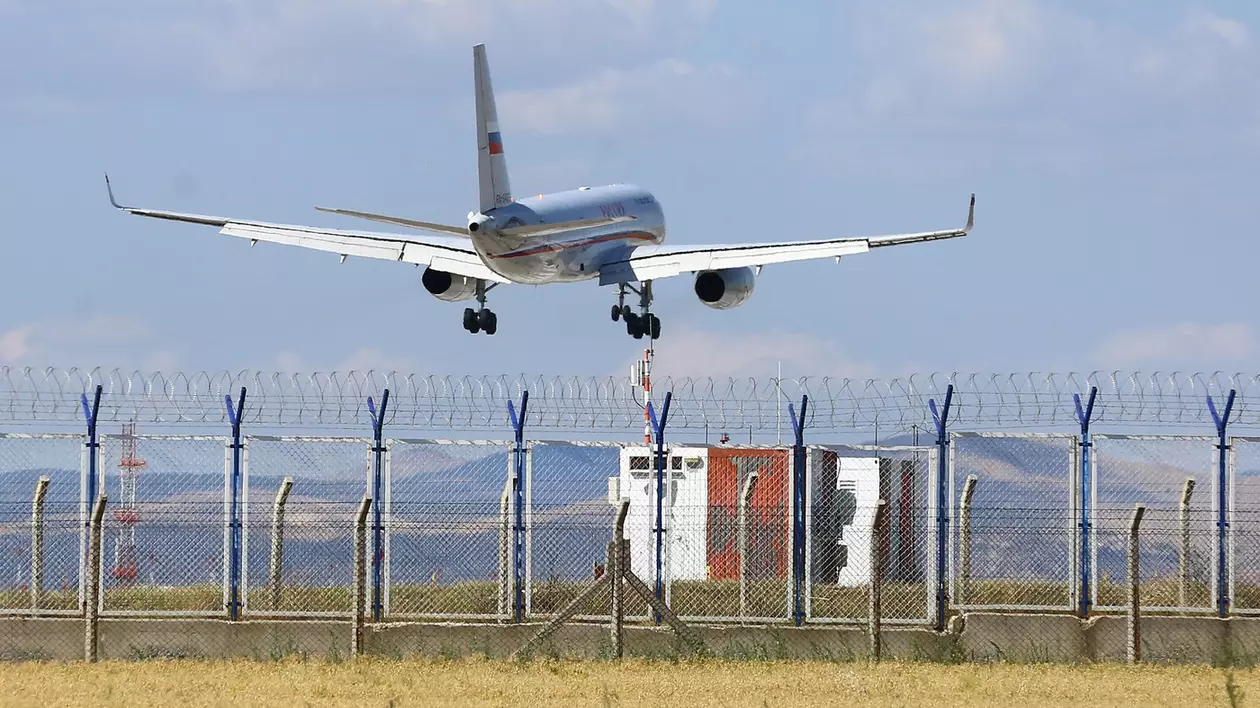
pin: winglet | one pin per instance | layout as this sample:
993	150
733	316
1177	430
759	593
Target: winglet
971	213
110	189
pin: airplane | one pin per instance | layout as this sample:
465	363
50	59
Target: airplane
614	233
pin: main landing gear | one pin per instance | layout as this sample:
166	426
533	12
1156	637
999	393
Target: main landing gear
637	324
481	319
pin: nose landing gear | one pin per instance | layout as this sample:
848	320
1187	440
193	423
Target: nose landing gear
481	319
637	324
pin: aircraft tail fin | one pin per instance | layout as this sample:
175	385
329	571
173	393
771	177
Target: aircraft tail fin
492	174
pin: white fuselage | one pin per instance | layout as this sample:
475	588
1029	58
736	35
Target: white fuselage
572	255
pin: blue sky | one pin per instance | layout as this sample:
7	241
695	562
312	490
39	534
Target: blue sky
1113	146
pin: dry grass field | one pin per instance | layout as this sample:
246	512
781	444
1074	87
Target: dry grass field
489	683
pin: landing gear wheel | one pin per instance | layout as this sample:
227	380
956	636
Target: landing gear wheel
470	320
616	313
634	325
654	327
626	312
489	322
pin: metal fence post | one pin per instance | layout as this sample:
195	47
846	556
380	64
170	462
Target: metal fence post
964	539
234	508
658	430
941	418
875	610
505	538
1084	416
1183	576
745	497
360	575
518	507
89	492
1222	508
378	498
92	604
1135	632
277	541
37	541
799	541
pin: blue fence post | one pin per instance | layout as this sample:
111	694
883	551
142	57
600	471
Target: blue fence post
658	431
234	510
89	415
1222	517
518	507
90	491
1086	527
798	512
378	499
941	418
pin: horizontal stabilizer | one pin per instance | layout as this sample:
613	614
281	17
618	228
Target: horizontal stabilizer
560	227
399	221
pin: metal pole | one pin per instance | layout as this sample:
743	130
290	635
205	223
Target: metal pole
658	427
964	539
360	573
518	502
617	558
1084	416
875	611
1222	513
1135	632
505	556
37	541
799	541
234	511
89	492
942	500
378	498
277	541
91	608
745	498
1183	575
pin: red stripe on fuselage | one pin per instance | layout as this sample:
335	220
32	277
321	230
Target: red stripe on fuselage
556	247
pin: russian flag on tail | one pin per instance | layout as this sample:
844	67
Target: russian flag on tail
496	143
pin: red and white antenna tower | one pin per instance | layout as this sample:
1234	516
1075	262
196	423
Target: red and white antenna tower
641	377
127	513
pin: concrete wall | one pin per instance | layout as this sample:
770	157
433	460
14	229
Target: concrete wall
981	637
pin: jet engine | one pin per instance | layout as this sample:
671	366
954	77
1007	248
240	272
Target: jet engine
726	288
447	286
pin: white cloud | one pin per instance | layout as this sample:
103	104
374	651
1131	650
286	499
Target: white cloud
95	341
1203	52
617	98
1207	347
697	353
362	359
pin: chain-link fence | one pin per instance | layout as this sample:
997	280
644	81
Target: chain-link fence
1014	520
1175	478
165	525
41	525
304	564
569	522
1244	525
843	486
445	520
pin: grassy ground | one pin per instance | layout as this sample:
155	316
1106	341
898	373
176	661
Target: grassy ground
480	682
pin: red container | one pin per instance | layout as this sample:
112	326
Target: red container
769	512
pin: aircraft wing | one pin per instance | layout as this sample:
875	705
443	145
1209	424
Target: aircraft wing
447	253
654	262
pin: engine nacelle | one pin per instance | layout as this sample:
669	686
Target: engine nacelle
448	286
726	288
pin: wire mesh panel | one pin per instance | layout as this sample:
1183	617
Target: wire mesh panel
163	533
1015	524
40	544
730	534
1244	525
569	522
1178	533
445	518
305	564
843	486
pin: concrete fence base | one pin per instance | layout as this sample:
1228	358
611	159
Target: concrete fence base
980	637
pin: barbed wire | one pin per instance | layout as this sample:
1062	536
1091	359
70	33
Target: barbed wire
338	399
